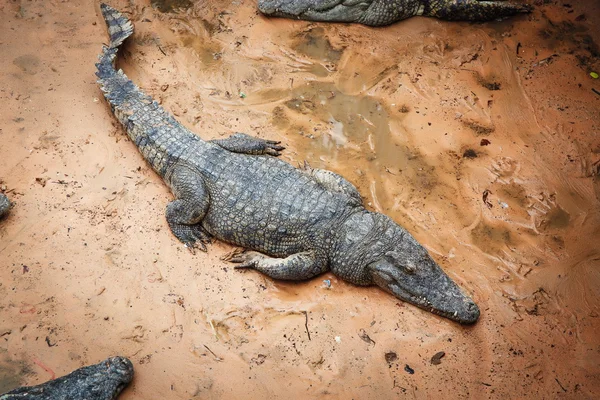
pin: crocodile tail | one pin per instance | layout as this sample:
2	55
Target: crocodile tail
119	29
155	132
474	10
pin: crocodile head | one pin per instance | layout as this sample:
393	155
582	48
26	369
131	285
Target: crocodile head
102	381
120	372
372	249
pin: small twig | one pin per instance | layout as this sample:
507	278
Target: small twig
48	342
211	352
596	91
560	384
306	323
45	368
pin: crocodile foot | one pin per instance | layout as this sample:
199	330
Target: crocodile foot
246	144
193	236
245	259
296	267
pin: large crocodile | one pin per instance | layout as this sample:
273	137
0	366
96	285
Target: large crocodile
301	222
385	12
102	381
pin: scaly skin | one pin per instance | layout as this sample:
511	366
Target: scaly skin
300	222
385	12
102	381
5	205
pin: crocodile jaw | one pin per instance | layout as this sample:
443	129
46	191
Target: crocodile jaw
427	287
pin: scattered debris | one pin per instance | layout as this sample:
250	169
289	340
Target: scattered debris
338	339
408	369
470	153
327	283
488	203
390	357
560	384
306	323
437	358
41	181
485	142
363	335
45	368
217	358
259	359
544	61
594	75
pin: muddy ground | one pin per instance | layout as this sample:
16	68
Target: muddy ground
483	140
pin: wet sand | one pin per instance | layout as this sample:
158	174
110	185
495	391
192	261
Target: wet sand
482	140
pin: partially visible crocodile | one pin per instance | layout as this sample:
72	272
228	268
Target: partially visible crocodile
102	381
385	12
300	222
5	205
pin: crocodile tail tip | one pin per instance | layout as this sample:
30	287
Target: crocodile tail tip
119	29
119	26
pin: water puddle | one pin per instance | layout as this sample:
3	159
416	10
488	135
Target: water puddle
208	53
332	128
315	44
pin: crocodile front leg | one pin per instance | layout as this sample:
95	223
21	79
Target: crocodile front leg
473	10
297	267
246	144
185	213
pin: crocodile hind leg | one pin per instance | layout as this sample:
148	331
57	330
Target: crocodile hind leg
246	144
334	182
474	10
297	267
185	213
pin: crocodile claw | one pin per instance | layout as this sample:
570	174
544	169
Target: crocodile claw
273	148
246	259
194	237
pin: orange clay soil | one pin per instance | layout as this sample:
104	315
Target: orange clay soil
481	139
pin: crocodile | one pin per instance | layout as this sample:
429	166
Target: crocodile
102	381
294	223
5	205
386	12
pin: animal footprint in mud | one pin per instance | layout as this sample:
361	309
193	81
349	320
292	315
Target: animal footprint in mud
138	334
505	167
300	64
548	214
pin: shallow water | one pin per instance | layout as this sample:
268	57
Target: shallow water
482	140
